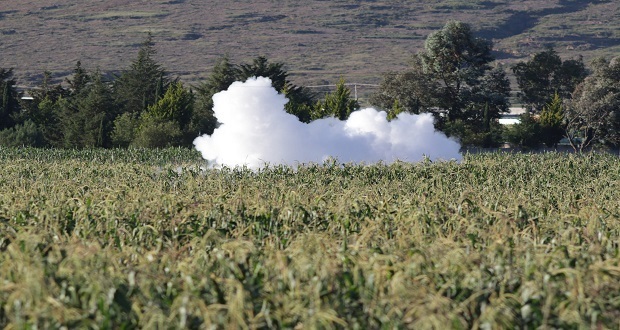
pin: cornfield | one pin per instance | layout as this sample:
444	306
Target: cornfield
109	239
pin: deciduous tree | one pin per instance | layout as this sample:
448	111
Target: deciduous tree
412	89
453	79
593	113
456	60
546	74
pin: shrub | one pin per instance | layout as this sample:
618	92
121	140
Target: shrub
26	134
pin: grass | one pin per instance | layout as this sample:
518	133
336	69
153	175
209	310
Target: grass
141	238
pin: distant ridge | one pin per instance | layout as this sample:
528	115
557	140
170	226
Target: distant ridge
319	41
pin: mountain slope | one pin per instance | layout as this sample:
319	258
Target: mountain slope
319	41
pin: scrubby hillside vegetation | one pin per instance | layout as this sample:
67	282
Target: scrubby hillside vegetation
320	41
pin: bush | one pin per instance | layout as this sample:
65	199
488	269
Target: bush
26	134
471	135
125	127
525	134
155	133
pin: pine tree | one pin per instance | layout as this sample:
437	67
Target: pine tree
79	80
551	121
86	119
338	104
9	105
300	99
222	76
140	86
224	73
260	67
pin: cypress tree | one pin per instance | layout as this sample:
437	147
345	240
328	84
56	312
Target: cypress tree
8	104
551	121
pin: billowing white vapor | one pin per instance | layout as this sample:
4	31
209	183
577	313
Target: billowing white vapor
255	131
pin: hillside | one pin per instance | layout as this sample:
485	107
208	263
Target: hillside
319	41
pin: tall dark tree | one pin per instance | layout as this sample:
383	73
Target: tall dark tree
143	83
225	73
491	95
544	75
79	80
9	99
86	118
479	123
300	99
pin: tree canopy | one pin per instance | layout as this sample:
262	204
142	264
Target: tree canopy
544	75
456	60
453	77
338	104
593	115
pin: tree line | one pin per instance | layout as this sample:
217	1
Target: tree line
453	77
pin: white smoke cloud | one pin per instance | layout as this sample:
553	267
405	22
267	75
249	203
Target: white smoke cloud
255	131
